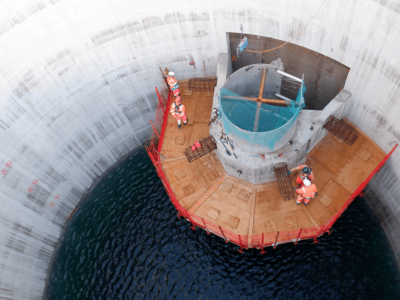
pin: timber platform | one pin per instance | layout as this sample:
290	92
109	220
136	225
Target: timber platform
255	215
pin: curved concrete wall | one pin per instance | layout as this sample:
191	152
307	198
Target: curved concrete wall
77	90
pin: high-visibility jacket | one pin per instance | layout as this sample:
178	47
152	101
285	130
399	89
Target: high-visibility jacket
172	82
302	175
178	109
307	192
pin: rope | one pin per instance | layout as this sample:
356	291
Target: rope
320	10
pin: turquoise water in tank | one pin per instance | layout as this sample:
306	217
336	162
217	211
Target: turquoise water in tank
126	242
242	114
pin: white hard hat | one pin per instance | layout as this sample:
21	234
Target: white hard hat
171	73
306	181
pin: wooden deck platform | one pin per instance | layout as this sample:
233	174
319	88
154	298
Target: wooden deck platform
204	189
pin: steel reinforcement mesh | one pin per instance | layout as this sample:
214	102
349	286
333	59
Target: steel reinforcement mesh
342	130
202	84
244	241
285	186
206	146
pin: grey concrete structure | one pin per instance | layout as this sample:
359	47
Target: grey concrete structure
77	85
304	137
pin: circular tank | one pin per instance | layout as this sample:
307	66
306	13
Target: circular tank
253	126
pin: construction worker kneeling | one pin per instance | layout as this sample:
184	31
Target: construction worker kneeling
307	191
305	171
178	111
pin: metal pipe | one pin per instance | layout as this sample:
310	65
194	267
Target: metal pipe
290	76
283	97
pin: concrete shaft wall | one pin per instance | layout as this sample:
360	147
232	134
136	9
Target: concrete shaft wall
77	89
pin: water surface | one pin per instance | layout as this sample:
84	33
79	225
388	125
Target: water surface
126	242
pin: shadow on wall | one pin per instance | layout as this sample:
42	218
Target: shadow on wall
324	77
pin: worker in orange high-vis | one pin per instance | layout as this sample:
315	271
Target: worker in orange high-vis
307	192
305	171
173	84
178	111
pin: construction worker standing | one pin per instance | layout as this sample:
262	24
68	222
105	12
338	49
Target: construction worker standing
178	111
173	84
305	171
307	192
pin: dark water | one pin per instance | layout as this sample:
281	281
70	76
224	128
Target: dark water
126	242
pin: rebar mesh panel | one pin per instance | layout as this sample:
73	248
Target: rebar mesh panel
342	130
207	145
202	84
285	186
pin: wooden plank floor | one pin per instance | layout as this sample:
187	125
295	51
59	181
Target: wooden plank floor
204	188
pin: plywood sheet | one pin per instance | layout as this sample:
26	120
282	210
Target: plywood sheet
337	197
230	218
356	168
232	198
322	175
333	155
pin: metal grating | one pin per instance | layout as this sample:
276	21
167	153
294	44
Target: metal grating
285	186
342	130
202	84
207	145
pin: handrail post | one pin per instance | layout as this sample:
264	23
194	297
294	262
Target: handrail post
319	232
262	244
276	239
240	244
226	240
190	220
205	227
298	236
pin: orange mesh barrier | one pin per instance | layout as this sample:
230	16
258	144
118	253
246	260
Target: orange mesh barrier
244	241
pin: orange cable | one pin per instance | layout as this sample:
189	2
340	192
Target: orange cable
317	13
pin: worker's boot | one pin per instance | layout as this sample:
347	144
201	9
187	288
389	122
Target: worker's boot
179	126
187	120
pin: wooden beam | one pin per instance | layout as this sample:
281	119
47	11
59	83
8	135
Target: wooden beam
260	95
261	89
275	102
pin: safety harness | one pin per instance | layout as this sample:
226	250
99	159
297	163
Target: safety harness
177	108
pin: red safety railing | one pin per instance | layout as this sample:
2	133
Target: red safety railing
357	192
259	241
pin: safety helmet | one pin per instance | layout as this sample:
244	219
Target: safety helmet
171	73
306	170
306	181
